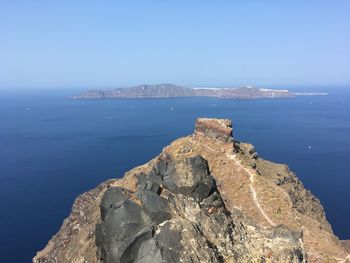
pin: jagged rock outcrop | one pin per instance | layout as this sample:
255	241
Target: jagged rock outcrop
214	128
203	199
177	215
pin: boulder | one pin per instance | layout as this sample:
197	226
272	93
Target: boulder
190	177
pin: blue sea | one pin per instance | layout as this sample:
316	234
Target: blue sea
53	148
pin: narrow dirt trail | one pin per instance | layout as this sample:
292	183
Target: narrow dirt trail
251	186
251	175
254	194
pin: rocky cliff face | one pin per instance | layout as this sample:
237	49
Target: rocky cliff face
205	198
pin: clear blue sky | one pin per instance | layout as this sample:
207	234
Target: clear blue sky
119	43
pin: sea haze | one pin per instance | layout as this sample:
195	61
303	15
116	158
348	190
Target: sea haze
53	148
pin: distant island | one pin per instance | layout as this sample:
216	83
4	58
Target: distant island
175	91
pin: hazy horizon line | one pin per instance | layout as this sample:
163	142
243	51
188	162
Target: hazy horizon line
102	87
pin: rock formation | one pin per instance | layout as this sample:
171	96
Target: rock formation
216	129
205	198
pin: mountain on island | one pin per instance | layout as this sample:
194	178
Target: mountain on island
174	91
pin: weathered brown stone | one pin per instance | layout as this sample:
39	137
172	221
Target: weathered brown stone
248	215
220	129
346	244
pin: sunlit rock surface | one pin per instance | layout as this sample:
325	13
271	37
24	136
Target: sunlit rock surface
205	198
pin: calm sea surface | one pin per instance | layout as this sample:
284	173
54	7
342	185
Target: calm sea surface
53	148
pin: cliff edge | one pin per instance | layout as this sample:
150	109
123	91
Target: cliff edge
205	198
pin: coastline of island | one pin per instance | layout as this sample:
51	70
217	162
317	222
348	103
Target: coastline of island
174	91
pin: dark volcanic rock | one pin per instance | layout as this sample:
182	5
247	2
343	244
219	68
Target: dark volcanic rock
113	197
124	228
127	232
190	177
176	215
155	206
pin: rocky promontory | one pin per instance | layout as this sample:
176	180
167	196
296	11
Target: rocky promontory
205	198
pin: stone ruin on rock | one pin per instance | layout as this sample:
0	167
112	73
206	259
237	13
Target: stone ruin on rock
220	129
